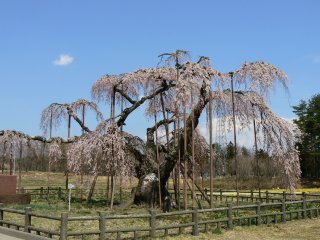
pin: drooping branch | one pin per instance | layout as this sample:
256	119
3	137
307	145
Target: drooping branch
80	103
95	152
52	116
275	134
55	112
22	135
260	77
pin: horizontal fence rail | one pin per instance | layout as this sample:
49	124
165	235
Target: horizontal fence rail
60	192
252	196
155	224
221	195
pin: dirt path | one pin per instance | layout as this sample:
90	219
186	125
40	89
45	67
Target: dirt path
6	237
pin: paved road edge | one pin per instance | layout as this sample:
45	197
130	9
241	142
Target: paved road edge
22	235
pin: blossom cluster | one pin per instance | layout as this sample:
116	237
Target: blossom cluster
102	151
54	152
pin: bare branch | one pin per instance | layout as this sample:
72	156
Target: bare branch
126	112
77	119
126	96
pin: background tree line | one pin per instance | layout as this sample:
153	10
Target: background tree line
36	159
308	121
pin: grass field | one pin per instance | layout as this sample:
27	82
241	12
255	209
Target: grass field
301	229
43	179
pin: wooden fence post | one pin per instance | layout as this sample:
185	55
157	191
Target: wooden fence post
152	223
267	196
258	212
27	219
229	214
283	210
284	195
59	192
251	195
304	195
41	192
220	195
102	225
195	229
64	226
304	206
1	213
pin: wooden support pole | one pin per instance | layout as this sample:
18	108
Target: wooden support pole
69	137
27	219
283	211
235	138
210	151
1	214
229	215
256	156
102	225
185	161
64	226
304	206
195	228
258	212
152	223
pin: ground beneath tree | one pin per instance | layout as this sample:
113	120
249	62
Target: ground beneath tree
310	183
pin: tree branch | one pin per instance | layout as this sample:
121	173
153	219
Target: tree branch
126	96
34	138
150	131
77	119
126	112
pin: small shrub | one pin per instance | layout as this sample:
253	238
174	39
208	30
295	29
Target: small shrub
217	231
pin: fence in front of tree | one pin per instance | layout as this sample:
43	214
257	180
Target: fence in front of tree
221	195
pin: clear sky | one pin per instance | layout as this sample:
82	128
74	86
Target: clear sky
53	51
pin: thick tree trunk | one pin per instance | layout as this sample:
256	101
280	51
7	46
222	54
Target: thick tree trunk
147	190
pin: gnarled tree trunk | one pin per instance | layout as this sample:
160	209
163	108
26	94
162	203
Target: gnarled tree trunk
146	167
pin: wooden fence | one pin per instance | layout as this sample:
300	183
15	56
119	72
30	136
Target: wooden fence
58	192
155	224
221	195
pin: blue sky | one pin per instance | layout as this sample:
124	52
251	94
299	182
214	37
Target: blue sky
120	36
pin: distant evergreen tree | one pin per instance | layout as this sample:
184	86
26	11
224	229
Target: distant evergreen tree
308	122
220	162
245	151
230	158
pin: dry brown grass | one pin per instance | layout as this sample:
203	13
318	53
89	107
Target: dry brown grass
57	179
301	229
